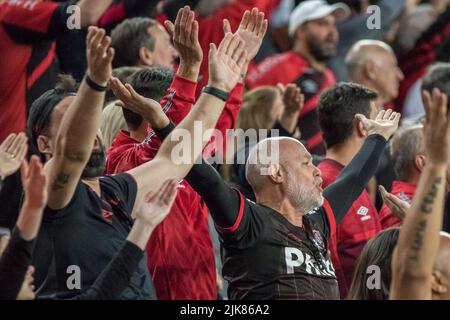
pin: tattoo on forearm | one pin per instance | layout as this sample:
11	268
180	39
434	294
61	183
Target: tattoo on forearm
60	181
427	207
428	201
418	240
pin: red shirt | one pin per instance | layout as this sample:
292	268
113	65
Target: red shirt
401	190
180	250
290	67
361	223
27	52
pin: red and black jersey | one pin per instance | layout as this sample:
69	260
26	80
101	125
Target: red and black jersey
360	224
176	275
404	191
27	31
282	261
290	67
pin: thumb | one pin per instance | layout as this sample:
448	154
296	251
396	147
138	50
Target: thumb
226	26
212	51
170	27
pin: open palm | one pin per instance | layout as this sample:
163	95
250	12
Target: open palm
12	152
252	30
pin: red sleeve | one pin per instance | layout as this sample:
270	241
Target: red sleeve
280	68
47	18
114	14
179	99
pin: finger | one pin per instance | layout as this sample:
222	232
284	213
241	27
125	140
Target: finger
170	27
24	168
234	45
110	55
226	26
262	31
189	25
22	152
223	47
7	142
393	116
194	33
253	18
91	32
212	52
245	20
170	191
104	45
16	144
387	114
259	22
238	51
380	115
243	59
150	197
183	25
96	39
34	169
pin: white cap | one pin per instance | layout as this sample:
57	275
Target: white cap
316	9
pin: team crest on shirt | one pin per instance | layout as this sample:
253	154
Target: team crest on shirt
364	212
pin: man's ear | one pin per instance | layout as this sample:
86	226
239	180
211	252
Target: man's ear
361	131
145	56
419	162
43	143
275	173
439	283
370	69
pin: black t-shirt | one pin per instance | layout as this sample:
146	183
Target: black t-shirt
282	261
87	234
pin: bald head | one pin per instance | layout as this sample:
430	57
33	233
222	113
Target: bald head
362	52
373	64
267	156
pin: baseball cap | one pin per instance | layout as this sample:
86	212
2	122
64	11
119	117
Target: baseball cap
316	9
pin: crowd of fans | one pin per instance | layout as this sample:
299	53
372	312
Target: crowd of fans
322	164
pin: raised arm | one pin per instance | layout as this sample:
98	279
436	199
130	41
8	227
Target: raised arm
17	257
418	242
354	178
80	124
225	65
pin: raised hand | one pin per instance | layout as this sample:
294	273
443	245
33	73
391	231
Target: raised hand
398	207
148	108
293	99
252	30
34	184
12	152
385	124
156	205
436	127
99	56
226	62
184	34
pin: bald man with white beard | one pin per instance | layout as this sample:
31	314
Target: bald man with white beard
277	248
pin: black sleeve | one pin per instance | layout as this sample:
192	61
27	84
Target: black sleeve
222	201
116	276
126	186
14	264
282	131
353	179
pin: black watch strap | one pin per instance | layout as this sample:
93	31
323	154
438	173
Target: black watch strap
93	85
218	93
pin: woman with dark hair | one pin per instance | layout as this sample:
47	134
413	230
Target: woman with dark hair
377	252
